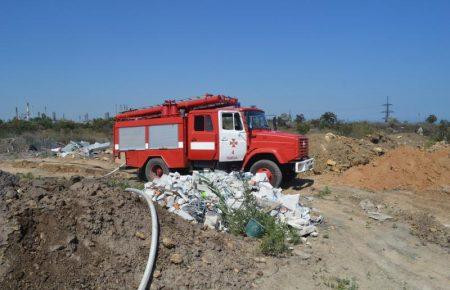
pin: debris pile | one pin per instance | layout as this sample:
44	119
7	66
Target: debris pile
194	199
82	148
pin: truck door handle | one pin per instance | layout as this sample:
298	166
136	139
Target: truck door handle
193	139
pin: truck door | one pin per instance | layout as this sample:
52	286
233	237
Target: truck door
201	137
232	137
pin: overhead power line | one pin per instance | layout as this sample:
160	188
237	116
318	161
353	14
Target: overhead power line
387	112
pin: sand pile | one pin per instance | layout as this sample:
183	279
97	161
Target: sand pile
338	153
403	168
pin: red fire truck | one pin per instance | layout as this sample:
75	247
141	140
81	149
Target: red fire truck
213	132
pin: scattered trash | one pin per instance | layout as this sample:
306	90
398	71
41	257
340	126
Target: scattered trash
373	211
378	150
82	148
191	197
366	205
379	216
420	131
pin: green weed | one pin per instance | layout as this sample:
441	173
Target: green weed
324	192
276	235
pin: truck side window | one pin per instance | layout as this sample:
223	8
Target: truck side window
199	123
203	123
227	121
208	123
237	122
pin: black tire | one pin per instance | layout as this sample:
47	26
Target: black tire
277	175
154	165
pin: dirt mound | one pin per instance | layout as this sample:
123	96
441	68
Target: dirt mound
7	180
403	168
58	233
338	153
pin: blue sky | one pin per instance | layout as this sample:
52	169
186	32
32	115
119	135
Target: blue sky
78	57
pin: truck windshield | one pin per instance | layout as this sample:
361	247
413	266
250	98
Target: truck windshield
256	120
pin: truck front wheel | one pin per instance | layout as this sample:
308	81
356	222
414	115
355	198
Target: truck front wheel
271	169
155	167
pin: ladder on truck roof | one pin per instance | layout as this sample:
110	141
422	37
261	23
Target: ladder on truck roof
172	107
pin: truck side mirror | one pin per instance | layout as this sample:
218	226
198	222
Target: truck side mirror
274	123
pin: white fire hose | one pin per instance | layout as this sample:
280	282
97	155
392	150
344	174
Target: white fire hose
146	279
112	172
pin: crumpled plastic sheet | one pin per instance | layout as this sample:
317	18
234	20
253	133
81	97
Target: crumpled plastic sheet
83	148
190	197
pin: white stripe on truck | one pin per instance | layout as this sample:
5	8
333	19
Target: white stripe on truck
203	146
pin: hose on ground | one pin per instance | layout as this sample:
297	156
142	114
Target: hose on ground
115	170
146	279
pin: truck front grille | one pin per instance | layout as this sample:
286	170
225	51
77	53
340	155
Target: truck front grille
303	147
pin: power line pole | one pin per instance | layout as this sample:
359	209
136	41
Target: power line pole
387	111
28	113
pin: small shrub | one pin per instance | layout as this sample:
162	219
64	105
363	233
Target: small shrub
27	175
276	235
355	129
342	284
324	192
123	184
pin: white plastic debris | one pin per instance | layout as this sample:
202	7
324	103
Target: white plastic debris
211	220
82	148
379	216
191	197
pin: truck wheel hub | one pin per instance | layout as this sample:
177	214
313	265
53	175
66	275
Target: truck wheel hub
157	170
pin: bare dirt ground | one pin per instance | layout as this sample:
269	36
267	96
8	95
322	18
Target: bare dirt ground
82	233
409	251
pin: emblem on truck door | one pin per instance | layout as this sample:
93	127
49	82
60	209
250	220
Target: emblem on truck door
233	144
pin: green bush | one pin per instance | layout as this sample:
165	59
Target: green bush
276	234
442	132
303	127
45	130
355	129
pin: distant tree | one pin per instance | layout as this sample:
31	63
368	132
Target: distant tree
303	128
315	123
299	119
284	120
431	119
443	131
328	119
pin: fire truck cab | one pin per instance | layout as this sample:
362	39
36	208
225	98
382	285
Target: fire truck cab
210	132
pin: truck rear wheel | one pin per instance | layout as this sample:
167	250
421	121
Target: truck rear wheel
271	169
155	167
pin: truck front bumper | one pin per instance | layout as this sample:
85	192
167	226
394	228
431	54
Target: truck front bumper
304	165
